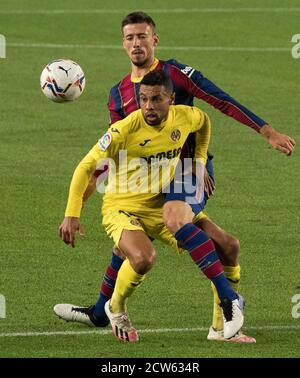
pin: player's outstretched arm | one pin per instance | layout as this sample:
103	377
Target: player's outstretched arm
202	138
68	229
104	149
90	189
279	141
79	183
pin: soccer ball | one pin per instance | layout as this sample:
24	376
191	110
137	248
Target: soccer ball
62	80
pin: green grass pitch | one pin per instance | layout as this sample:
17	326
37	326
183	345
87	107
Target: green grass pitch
257	197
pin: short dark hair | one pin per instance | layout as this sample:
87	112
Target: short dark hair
158	77
138	18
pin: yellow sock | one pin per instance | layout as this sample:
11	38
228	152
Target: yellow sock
217	322
127	281
233	273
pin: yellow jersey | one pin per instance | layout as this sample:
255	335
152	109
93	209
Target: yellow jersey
142	158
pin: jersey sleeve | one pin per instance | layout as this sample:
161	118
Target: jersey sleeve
113	105
202	127
194	83
107	147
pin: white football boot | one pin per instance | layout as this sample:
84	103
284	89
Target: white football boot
121	325
84	315
218	335
232	315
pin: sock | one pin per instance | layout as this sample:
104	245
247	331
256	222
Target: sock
127	282
107	286
202	250
233	275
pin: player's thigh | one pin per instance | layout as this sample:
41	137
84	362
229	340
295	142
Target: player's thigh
176	214
136	245
115	220
139	250
182	199
129	236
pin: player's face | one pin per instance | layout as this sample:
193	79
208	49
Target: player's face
155	102
139	41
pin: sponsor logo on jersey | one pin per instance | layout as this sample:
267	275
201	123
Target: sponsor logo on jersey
127	102
105	141
145	142
175	135
170	154
187	71
114	130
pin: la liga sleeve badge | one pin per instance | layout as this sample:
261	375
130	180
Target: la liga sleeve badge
105	141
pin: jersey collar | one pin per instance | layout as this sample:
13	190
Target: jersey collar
139	79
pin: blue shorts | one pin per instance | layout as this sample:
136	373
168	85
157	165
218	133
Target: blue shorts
187	192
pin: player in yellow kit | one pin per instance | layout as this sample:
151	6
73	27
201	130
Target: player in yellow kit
127	136
133	206
140	209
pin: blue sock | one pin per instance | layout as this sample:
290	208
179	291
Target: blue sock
107	286
202	250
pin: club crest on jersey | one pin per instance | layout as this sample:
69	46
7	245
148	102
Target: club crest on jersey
135	222
105	141
175	135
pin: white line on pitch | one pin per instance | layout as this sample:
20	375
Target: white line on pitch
158	330
174	10
167	48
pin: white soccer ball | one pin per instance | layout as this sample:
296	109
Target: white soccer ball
62	80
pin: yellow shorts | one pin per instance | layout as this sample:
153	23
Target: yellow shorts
115	220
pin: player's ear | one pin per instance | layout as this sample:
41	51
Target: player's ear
172	98
156	39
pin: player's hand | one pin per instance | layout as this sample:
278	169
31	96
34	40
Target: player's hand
279	141
209	185
199	171
68	229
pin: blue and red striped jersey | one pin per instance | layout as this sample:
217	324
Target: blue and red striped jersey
188	84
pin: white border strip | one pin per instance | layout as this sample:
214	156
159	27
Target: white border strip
158	330
167	48
126	11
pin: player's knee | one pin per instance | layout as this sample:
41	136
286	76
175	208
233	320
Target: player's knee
173	224
176	217
143	260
